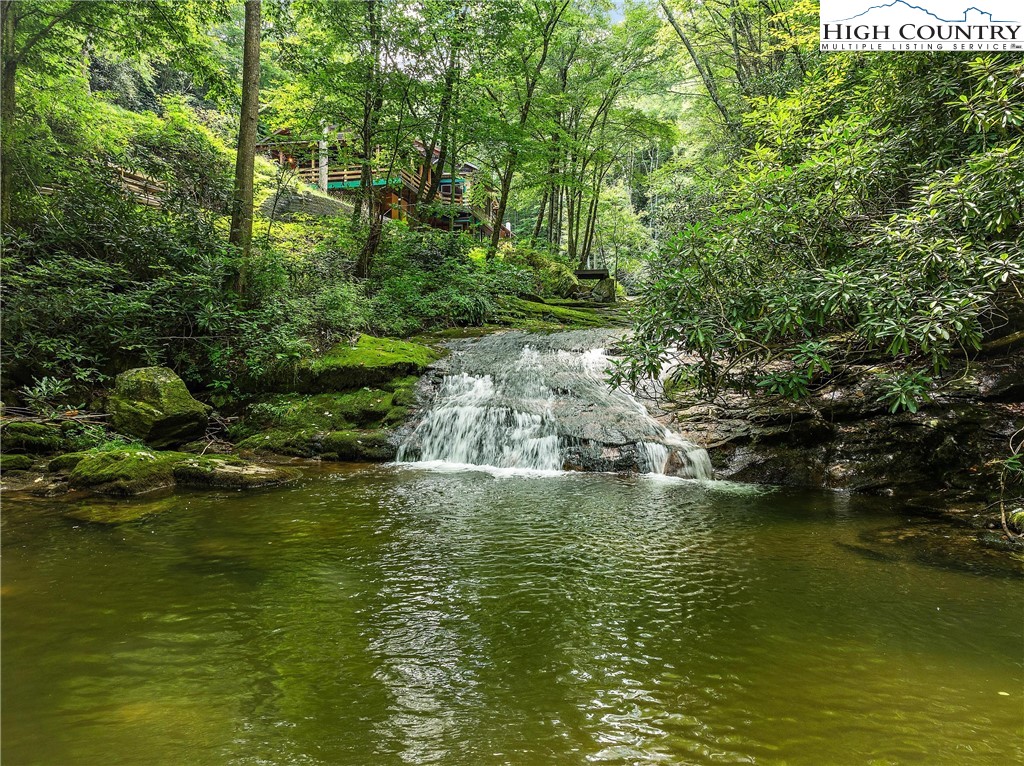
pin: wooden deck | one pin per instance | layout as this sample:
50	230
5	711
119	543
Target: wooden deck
401	187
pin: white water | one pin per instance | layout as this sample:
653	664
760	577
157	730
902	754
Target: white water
509	404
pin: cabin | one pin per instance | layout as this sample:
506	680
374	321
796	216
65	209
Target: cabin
462	202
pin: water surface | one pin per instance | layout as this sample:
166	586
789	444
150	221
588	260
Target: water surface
396	615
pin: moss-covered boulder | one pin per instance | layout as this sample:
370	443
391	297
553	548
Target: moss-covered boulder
153	404
368	362
360	446
66	462
229	473
604	291
126	472
15	463
300	443
23	436
372	445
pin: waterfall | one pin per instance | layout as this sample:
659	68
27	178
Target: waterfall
541	402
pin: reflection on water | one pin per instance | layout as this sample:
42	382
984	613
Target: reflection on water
407	616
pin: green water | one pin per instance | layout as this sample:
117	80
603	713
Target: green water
399	616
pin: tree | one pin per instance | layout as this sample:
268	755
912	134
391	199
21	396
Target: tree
241	201
51	35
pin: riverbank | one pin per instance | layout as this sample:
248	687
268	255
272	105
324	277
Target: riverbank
345	405
946	458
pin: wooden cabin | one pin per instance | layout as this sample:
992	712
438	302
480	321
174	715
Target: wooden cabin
461	203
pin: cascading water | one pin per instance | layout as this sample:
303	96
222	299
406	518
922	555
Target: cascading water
540	402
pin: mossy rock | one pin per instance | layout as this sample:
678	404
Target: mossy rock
153	404
126	472
229	473
15	463
523	313
369	362
319	412
350	444
404	391
358	446
1016	519
279	442
32	438
605	291
66	462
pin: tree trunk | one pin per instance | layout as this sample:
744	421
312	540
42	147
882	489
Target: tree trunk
241	207
9	65
706	75
540	217
499	216
365	263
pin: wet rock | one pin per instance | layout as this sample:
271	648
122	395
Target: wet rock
15	463
110	513
153	404
229	473
844	437
367	362
126	472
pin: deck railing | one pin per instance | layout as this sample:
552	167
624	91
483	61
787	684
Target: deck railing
350	176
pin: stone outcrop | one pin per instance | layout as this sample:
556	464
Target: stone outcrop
128	472
844	437
153	404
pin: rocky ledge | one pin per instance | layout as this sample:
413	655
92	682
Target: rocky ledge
845	437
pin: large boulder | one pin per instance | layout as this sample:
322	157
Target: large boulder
125	472
153	404
604	291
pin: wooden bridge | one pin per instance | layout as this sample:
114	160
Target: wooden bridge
592	274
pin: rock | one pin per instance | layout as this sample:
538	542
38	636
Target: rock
1015	519
153	404
66	462
229	473
350	425
369	362
29	437
845	437
604	291
15	463
126	472
368	446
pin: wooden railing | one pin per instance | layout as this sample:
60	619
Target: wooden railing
147	191
352	174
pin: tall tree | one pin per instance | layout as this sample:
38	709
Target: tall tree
526	59
241	202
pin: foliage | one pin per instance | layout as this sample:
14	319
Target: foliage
878	213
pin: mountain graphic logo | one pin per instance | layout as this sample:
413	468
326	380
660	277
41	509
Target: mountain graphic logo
940	12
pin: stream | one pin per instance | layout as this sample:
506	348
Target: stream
477	605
